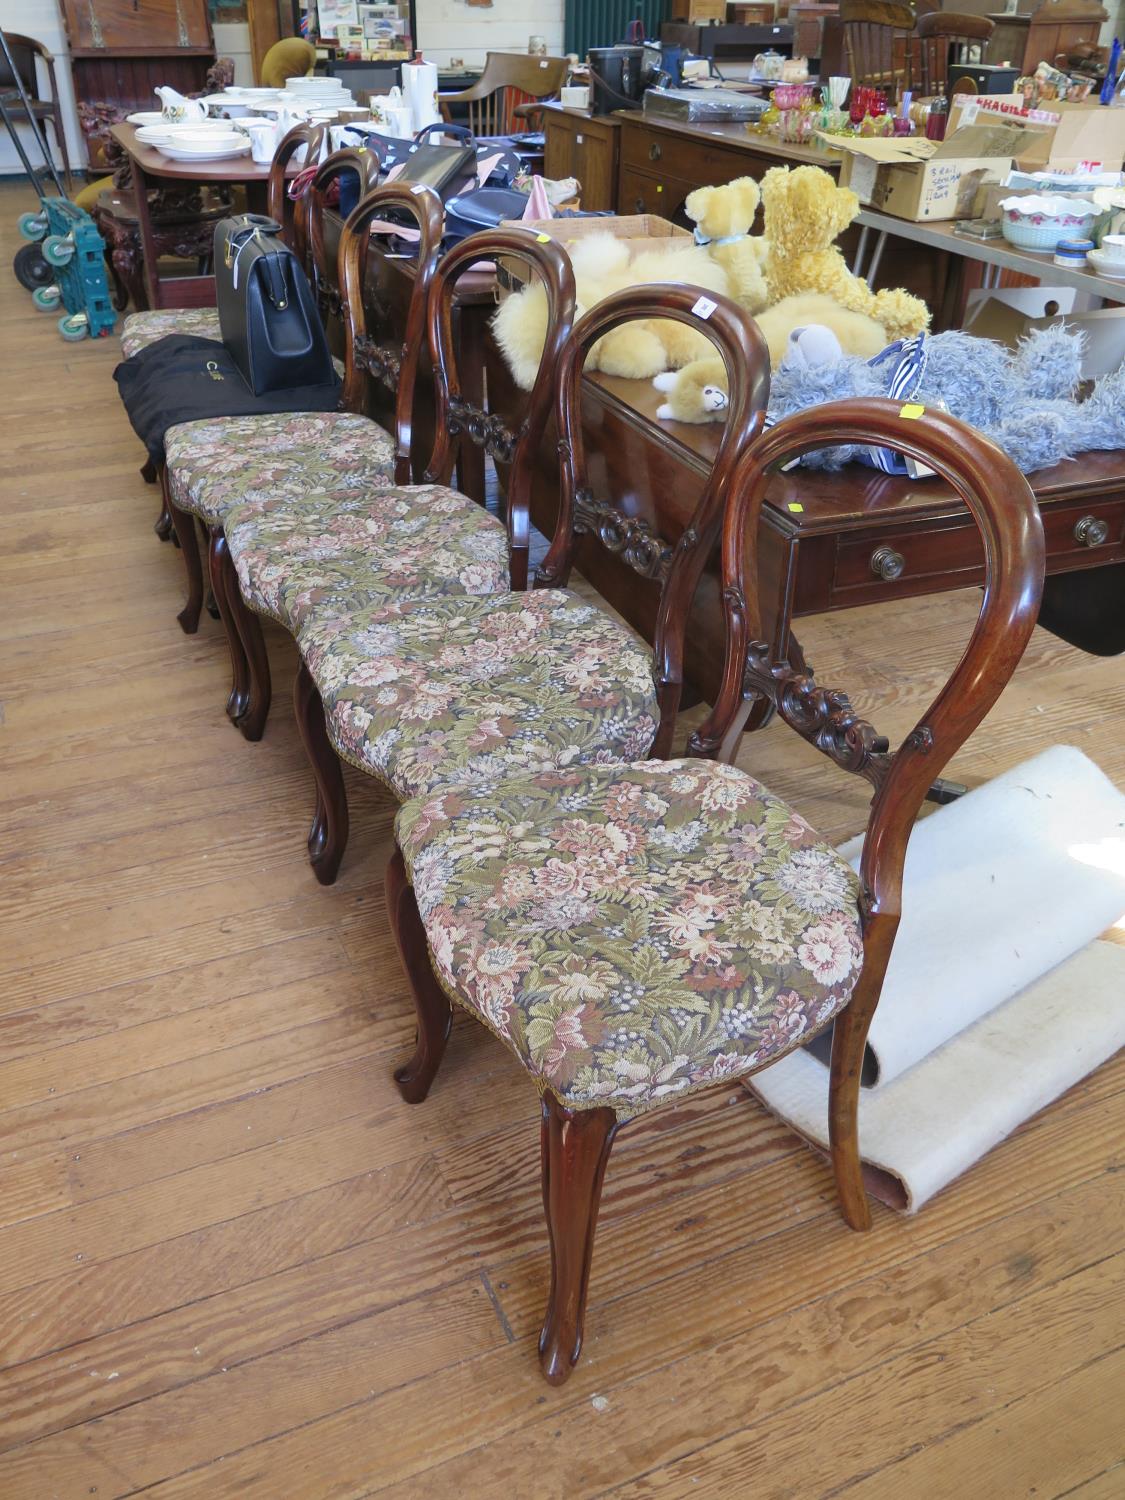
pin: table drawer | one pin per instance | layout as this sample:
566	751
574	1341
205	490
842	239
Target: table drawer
910	560
646	193
694	160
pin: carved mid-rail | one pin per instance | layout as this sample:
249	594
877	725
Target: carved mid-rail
485	430
629	537
383	365
823	716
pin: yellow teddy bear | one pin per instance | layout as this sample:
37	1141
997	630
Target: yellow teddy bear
805	212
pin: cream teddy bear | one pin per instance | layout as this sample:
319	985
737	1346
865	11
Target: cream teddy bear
723	219
638	350
805	211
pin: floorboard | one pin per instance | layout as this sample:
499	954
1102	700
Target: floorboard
233	1263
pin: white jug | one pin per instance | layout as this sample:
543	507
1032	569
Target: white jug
175	108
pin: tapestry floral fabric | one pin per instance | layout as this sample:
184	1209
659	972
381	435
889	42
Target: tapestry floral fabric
281	456
427	692
144	328
354	550
634	932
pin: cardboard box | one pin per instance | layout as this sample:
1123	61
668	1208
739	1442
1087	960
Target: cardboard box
1066	136
640	232
918	179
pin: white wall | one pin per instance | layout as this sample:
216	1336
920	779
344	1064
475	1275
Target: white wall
449	29
232	39
42	20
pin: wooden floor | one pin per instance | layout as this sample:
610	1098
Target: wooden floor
232	1262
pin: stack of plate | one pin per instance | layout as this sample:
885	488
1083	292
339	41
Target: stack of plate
319	94
206	143
168	133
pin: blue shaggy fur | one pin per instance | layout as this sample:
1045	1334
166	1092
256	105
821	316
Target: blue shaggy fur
1024	400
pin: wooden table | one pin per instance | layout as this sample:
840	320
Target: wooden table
150	169
998	255
829	540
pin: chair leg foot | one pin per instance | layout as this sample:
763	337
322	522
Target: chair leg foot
188	538
222	581
252	722
328	836
575	1149
435	1014
849	1039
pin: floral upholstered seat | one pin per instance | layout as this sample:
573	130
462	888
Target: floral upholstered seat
257	461
144	328
359	549
634	932
427	692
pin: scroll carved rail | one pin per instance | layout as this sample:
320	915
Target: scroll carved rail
384	365
629	537
486	431
823	716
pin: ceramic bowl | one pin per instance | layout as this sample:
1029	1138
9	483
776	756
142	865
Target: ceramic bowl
1040	221
1105	265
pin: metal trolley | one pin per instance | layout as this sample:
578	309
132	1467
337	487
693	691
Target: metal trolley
63	265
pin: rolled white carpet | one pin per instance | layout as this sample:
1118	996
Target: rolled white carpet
1000	886
926	1128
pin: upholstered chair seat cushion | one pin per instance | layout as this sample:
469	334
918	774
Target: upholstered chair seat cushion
427	692
356	550
277	457
144	328
634	932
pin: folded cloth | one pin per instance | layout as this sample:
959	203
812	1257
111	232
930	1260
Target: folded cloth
186	379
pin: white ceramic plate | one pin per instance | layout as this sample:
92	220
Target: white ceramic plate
145	117
207	153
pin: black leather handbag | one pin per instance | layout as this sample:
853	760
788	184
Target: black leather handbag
267	311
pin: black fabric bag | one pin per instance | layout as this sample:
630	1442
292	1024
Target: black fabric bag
182	378
267	310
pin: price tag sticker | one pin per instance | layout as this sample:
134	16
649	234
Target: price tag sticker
659	187
704	307
912	411
796	508
543	239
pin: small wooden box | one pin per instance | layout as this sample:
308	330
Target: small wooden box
697	11
753	15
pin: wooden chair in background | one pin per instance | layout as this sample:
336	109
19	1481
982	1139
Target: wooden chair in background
877	39
939	34
509	92
26	52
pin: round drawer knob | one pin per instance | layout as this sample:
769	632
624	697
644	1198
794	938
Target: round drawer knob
654	152
638	205
1091	531
887	564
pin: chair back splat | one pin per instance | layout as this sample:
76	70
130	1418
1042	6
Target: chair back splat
365	355
457	419
675	569
1004	509
289	214
878	37
365	166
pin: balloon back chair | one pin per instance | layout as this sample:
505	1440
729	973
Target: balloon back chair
373	356
682	858
457	421
290	212
350	161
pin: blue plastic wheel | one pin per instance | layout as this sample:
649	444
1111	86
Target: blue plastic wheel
32	226
47	298
74	326
58	249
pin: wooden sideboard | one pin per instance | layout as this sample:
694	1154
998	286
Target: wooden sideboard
584	146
